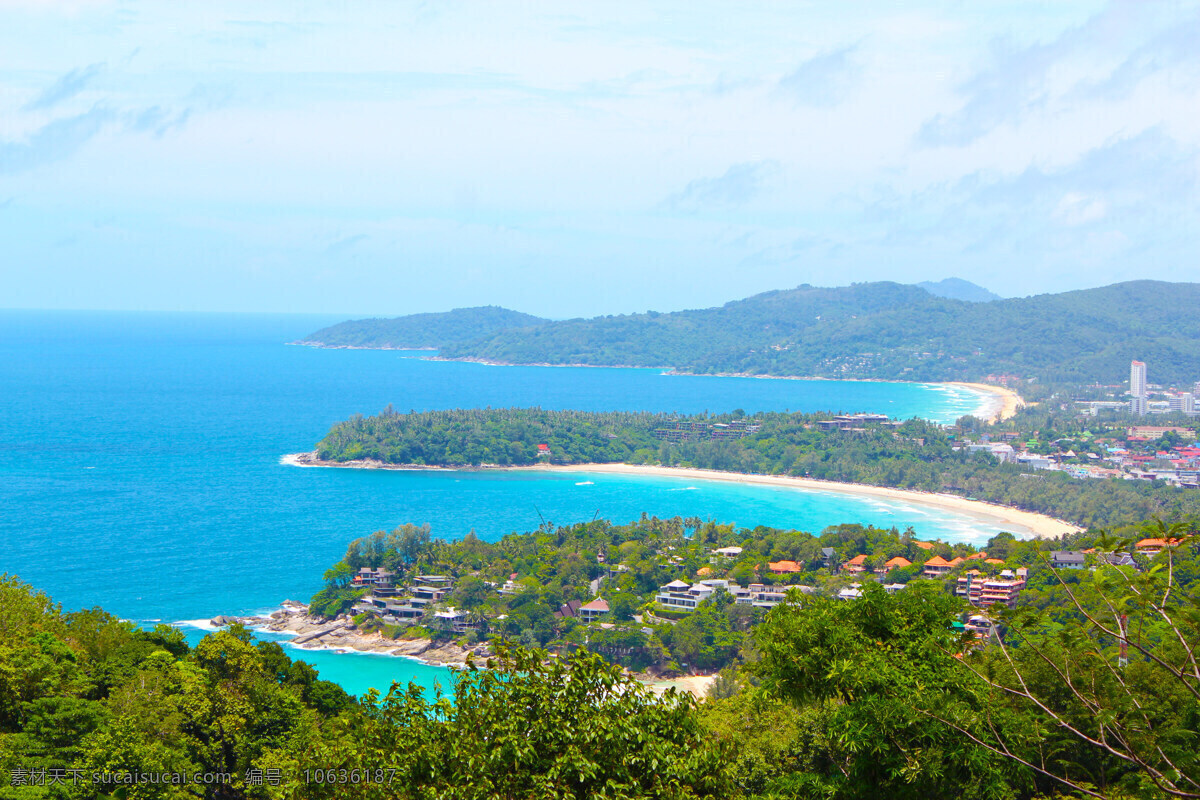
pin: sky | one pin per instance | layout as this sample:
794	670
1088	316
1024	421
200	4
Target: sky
575	159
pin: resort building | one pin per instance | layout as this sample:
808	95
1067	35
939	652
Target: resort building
1003	589
936	567
680	596
784	567
970	586
899	562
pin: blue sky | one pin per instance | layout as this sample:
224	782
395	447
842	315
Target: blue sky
576	159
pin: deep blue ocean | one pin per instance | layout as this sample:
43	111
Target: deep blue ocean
140	461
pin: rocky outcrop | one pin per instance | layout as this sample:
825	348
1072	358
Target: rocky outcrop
313	632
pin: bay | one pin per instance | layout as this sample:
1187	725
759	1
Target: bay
140	461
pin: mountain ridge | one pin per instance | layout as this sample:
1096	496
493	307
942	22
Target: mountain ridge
881	330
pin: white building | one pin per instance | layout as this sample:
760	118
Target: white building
1137	379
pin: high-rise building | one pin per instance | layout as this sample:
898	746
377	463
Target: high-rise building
1137	379
1137	389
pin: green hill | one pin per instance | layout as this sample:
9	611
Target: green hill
886	330
421	331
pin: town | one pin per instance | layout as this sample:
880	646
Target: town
1105	446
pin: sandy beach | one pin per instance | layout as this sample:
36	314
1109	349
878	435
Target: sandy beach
1013	520
1016	520
999	403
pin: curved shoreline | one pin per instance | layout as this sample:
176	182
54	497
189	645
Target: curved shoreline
1040	526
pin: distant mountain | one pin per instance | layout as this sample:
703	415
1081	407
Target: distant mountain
421	331
958	289
885	330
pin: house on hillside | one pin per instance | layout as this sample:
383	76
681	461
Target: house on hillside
594	610
1067	559
899	562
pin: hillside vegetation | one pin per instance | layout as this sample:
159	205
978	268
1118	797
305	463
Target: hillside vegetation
421	331
885	330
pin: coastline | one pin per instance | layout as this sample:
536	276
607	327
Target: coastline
1000	403
341	634
1037	525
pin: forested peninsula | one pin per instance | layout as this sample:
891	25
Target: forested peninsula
881	330
914	455
420	331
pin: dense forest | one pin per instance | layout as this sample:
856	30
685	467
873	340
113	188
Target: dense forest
885	330
1093	691
911	455
421	331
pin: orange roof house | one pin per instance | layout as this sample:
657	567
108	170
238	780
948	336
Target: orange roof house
980	555
898	562
856	564
1154	546
994	561
936	567
956	562
782	567
923	545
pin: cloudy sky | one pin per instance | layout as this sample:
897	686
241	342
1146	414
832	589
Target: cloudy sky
573	159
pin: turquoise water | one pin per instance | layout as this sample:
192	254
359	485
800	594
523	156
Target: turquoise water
140	461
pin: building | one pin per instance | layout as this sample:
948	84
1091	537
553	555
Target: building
784	567
1137	379
899	562
1184	403
936	567
1152	432
851	592
1067	559
1004	589
680	596
594	610
855	565
1152	547
727	552
970	586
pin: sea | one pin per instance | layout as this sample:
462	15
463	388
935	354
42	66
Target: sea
140	462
